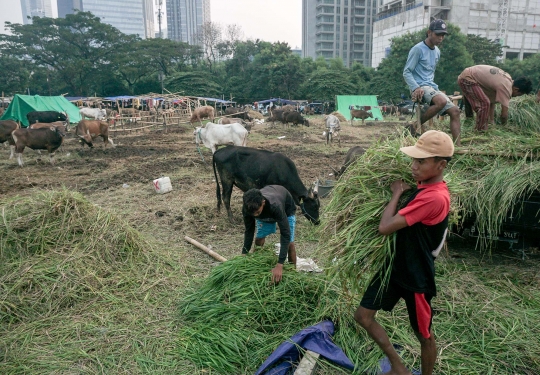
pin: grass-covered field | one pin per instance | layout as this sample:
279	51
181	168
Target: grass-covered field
96	278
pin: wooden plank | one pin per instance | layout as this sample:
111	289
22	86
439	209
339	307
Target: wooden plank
308	364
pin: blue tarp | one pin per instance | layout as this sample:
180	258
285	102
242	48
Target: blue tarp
125	97
217	100
317	338
274	100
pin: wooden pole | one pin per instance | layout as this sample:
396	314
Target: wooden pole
212	253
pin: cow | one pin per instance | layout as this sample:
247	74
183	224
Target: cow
202	112
361	114
94	113
228	120
214	135
276	115
40	125
6	128
353	154
49	139
88	130
248	168
46	116
332	129
238	113
294	117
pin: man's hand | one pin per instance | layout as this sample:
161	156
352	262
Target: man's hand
399	186
417	95
277	272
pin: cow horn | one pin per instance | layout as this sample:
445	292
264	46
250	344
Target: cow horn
316	188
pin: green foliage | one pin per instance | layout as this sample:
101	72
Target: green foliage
325	84
454	58
483	51
529	67
16	75
196	83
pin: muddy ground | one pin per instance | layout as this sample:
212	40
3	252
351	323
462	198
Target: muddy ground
120	179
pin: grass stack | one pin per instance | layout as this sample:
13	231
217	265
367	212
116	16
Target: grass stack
234	319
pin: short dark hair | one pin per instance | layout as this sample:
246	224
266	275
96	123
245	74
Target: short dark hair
253	199
439	158
523	84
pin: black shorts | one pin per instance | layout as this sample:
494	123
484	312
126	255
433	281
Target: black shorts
418	304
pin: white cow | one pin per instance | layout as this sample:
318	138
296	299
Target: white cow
94	113
214	135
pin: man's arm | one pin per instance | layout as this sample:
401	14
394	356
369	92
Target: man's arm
412	61
249	233
504	114
391	221
285	233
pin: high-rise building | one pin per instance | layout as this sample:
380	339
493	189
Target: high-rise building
35	8
128	16
338	28
185	18
515	24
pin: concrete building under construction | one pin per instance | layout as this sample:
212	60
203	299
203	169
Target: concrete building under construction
514	23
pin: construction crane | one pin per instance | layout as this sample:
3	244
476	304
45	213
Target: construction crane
159	4
502	18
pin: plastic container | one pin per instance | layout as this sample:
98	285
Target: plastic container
162	185
325	187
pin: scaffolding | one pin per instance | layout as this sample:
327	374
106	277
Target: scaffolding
502	18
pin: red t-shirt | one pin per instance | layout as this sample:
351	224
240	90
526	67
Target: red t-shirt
430	206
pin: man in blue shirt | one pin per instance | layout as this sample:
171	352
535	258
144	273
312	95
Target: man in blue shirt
419	73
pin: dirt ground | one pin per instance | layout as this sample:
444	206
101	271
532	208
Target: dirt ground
120	179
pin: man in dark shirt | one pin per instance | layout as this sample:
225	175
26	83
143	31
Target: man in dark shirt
420	229
264	208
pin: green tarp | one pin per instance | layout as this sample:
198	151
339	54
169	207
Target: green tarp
344	101
22	104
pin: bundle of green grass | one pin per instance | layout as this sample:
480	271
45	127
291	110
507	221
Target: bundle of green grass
57	250
235	318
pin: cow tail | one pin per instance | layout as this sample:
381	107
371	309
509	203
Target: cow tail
218	189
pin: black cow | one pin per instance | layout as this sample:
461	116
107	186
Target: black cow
46	116
248	168
353	154
238	113
295	117
6	128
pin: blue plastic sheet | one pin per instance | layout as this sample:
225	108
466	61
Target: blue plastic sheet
317	338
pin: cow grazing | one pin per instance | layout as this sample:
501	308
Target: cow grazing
57	124
332	129
202	112
353	154
276	115
361	114
49	139
46	116
214	135
94	113
88	130
248	168
6	128
238	113
294	117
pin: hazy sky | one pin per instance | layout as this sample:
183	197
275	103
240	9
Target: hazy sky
270	20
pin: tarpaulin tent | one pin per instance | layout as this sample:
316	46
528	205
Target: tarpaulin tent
22	104
344	101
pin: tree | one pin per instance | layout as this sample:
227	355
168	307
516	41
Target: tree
78	48
196	83
483	51
209	36
325	84
15	76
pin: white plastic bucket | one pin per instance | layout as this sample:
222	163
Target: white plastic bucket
162	185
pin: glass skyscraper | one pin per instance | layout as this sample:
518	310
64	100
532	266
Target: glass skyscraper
185	18
35	8
128	16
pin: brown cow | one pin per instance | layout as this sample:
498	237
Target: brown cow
202	112
88	130
6	128
49	139
57	124
227	120
361	114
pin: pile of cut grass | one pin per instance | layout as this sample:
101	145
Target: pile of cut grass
81	291
234	319
523	114
482	186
